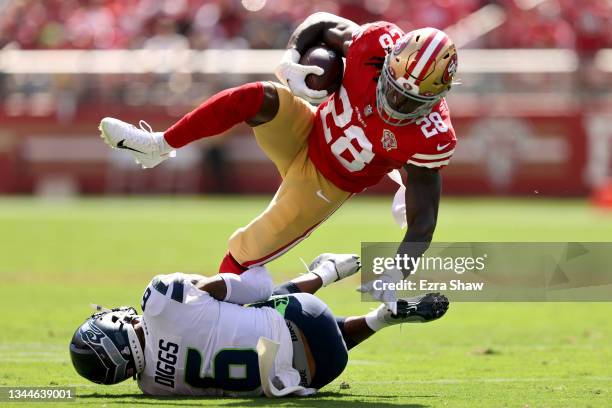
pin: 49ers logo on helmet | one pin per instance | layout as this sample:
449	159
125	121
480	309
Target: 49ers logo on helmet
401	44
451	69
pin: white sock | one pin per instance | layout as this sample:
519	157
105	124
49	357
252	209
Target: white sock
374	322
165	146
327	272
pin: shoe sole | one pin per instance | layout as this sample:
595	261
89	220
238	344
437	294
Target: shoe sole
439	305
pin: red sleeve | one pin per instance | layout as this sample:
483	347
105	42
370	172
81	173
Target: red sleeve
367	51
373	39
439	139
435	159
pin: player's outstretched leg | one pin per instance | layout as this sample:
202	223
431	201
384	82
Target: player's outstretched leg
418	309
324	270
255	103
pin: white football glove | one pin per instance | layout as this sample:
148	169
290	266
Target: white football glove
387	296
291	73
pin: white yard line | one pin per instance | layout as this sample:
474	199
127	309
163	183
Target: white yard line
487	380
363	362
26	346
33	353
33	360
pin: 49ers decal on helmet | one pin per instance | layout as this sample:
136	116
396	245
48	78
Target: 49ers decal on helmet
401	44
451	69
420	66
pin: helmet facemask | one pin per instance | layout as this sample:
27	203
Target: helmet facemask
388	113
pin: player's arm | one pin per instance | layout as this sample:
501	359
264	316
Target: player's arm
253	285
423	191
215	286
333	31
329	29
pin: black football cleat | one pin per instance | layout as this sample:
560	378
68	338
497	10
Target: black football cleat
418	309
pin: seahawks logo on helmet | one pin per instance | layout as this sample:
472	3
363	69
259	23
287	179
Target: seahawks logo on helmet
92	335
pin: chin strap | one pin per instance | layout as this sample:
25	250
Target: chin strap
136	348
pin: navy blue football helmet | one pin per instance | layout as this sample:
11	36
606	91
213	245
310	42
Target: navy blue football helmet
106	349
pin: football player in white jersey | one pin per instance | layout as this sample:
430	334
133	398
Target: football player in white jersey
195	337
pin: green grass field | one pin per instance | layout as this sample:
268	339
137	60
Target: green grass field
57	257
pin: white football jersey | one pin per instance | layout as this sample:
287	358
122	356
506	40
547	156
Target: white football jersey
196	345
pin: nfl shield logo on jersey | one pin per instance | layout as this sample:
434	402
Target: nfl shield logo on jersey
388	140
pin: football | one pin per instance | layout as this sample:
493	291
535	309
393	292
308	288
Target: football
332	64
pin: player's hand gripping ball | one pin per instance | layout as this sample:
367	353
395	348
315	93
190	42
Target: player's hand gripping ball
332	65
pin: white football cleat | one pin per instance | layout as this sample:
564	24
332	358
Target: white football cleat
334	267
147	147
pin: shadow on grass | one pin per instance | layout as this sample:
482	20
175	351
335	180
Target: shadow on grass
322	399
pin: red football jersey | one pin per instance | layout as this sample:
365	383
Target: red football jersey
351	145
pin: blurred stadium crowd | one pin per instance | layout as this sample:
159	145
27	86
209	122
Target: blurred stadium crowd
584	26
524	131
110	24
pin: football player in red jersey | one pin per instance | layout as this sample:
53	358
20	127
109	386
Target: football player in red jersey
389	113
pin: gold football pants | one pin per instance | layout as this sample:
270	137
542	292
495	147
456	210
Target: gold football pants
304	199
